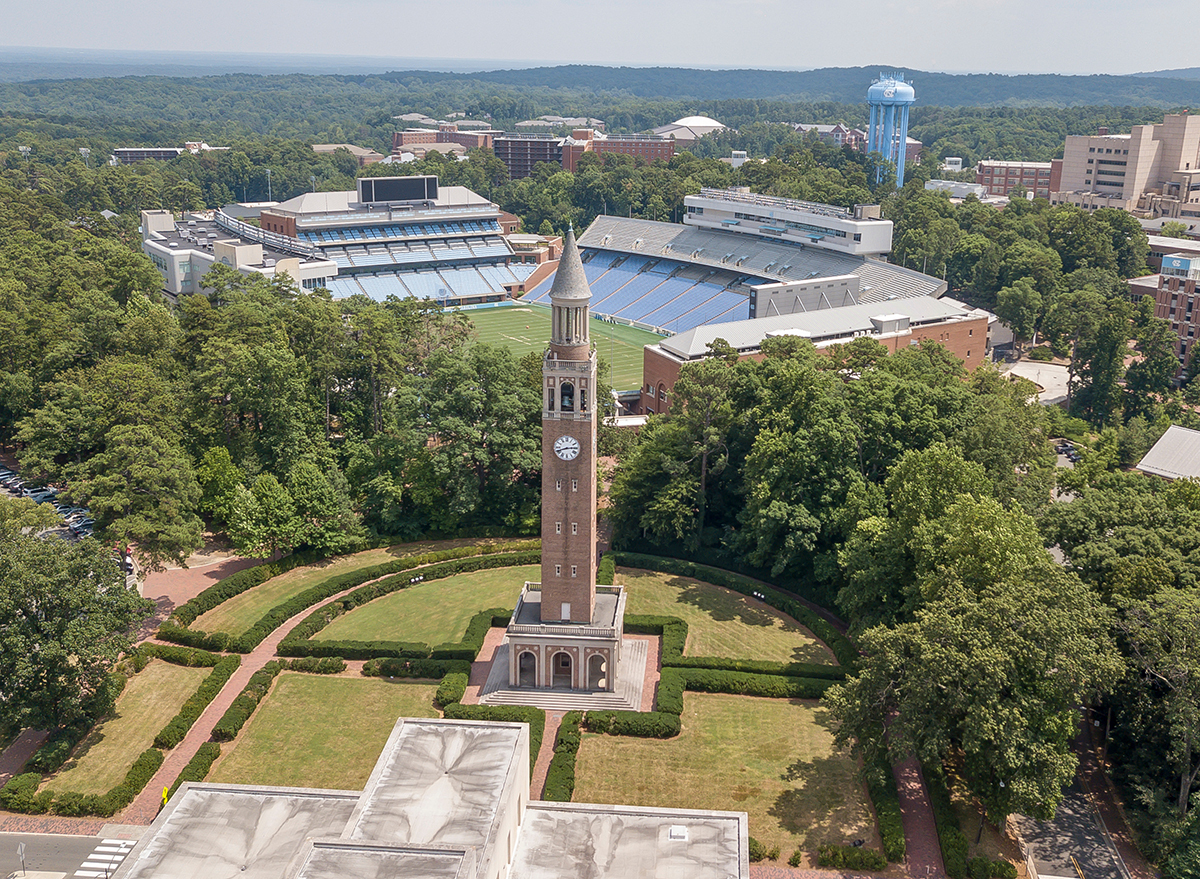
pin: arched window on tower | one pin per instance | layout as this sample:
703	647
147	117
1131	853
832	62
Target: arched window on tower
583	400
566	396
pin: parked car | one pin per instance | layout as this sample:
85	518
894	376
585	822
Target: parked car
77	513
41	495
83	527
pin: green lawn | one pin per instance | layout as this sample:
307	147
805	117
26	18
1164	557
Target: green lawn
525	328
151	698
722	622
241	612
323	732
433	612
771	758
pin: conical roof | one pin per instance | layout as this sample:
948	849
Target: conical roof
570	283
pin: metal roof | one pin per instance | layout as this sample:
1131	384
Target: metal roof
1175	456
826	324
570	283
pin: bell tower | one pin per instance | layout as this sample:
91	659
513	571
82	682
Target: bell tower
569	449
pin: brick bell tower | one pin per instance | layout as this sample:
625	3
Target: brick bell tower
569	449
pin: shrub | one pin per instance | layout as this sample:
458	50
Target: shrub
75	804
848	857
535	717
607	571
560	777
745	684
451	689
950	834
243	706
758	851
650	725
881	784
325	665
54	753
794	860
773	854
18	795
175	730
1041	353
1002	869
185	656
979	867
429	669
198	766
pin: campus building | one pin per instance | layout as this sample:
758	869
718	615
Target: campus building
1153	171
896	325
521	152
1175	301
447	799
1001	178
390	236
689	129
445	133
362	155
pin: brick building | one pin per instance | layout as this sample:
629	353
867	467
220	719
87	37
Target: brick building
1001	178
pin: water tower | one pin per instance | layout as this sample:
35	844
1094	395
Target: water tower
889	98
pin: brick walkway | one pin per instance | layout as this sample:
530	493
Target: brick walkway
482	666
537	782
924	852
18	753
171	588
767	870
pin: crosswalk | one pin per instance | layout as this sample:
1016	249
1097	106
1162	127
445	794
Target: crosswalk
104	859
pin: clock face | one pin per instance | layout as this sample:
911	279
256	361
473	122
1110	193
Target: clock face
566	447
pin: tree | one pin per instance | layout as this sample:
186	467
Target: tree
262	519
994	665
322	502
1173	229
143	493
1161	633
218	478
20	514
65	617
1020	306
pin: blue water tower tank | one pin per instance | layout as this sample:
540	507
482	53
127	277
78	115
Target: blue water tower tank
889	98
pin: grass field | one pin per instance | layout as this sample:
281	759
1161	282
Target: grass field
772	758
151	698
525	328
323	732
241	612
722	622
433	612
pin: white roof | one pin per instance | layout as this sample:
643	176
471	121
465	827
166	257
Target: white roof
827	323
691	121
1175	456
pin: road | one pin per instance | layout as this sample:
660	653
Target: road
85	857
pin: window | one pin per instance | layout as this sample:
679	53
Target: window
566	393
574	485
558	570
970	332
558	527
574	527
574	569
558	485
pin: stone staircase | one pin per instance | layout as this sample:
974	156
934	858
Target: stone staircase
631	675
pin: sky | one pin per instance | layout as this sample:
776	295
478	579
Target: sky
997	36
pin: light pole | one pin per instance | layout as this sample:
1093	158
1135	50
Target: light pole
313	180
86	153
25	151
269	185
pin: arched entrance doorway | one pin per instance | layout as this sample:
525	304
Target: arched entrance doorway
561	670
597	672
526	669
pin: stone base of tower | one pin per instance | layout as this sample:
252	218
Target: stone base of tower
566	656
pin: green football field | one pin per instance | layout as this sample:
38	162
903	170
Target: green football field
524	328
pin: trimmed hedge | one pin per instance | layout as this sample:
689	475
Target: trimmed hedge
452	688
950	835
843	648
848	857
607	571
243	706
297	643
55	750
649	725
429	669
175	730
535	717
198	766
560	777
881	784
172	630
185	656
20	794
674	681
239	582
326	665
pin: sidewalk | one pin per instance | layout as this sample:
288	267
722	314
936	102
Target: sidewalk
924	851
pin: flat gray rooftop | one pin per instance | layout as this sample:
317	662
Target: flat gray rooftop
235	831
439	782
529	610
606	842
337	859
